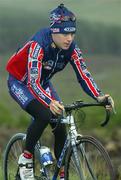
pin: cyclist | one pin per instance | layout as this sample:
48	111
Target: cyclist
30	70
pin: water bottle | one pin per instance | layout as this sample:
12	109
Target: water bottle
46	156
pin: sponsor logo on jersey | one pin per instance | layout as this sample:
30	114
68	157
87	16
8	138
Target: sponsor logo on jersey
37	90
48	65
19	93
34	71
36	51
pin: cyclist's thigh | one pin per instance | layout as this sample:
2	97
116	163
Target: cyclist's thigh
38	111
20	92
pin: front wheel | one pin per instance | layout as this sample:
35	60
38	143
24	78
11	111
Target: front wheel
88	160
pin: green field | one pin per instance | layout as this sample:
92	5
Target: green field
99	25
104	11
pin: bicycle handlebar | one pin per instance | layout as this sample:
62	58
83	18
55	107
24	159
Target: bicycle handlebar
81	104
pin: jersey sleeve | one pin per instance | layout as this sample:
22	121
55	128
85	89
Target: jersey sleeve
83	75
35	58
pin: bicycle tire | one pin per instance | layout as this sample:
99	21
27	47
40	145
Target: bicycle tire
11	151
92	167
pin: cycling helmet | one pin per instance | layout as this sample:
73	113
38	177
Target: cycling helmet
62	20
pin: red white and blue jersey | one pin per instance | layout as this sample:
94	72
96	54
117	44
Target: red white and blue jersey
39	59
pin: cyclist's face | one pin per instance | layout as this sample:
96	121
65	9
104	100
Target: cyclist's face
63	41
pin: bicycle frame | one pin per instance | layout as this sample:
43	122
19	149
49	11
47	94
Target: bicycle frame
74	143
70	141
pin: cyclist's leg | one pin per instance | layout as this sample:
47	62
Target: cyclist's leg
60	137
59	140
41	114
61	129
41	119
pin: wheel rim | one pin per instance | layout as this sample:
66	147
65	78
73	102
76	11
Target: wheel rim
93	166
12	159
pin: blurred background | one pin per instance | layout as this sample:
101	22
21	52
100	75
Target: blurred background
99	38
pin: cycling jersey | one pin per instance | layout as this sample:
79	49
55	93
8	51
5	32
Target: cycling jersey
39	59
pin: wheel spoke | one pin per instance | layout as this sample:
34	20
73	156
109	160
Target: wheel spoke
94	162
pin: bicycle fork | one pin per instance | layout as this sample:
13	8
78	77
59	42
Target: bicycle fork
82	148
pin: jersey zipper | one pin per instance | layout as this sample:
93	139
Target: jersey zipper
54	64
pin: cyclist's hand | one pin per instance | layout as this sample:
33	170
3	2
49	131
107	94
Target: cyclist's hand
56	108
108	100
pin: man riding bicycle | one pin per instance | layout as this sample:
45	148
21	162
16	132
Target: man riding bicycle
30	71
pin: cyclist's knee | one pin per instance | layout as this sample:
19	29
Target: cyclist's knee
38	111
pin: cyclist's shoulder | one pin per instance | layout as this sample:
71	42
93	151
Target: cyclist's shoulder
42	36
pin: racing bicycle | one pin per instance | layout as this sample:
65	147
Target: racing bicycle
83	156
